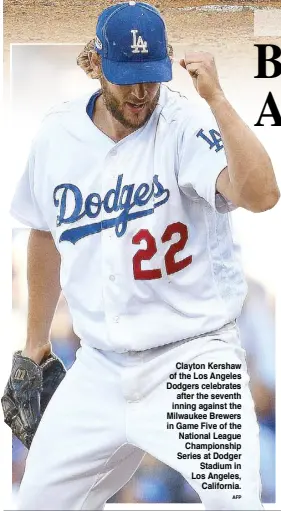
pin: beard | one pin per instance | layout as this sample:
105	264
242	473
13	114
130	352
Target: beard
117	108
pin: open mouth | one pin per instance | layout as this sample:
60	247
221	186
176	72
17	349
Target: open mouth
136	107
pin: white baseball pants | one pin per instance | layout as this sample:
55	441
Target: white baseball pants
112	408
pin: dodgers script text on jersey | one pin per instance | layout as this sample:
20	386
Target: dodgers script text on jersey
144	238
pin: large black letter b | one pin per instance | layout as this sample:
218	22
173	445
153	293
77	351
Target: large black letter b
263	59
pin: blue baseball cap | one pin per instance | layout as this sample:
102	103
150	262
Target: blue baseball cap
132	41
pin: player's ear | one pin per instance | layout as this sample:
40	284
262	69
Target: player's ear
84	60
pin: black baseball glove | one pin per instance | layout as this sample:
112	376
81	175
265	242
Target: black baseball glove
27	393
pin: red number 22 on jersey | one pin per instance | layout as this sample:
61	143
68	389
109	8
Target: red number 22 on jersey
147	253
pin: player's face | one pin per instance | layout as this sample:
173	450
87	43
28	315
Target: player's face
131	105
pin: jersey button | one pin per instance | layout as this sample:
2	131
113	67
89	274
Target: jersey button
114	152
116	319
112	278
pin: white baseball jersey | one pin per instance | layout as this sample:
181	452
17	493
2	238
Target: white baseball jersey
147	255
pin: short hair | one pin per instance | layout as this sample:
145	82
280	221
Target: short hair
84	58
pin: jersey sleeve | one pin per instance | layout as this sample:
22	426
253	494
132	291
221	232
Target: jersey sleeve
24	205
201	159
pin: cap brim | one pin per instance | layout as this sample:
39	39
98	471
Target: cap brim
129	73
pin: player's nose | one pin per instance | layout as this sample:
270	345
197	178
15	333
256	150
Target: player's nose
139	91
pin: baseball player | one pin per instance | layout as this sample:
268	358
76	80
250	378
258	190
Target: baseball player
128	193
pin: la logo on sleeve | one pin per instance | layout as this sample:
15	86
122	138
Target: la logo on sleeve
214	140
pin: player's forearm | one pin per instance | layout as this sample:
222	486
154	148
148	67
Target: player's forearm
43	268
249	166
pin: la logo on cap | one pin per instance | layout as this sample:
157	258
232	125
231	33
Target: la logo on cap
139	45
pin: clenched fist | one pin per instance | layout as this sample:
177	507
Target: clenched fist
202	69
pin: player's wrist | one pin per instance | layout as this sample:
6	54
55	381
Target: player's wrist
37	352
216	100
